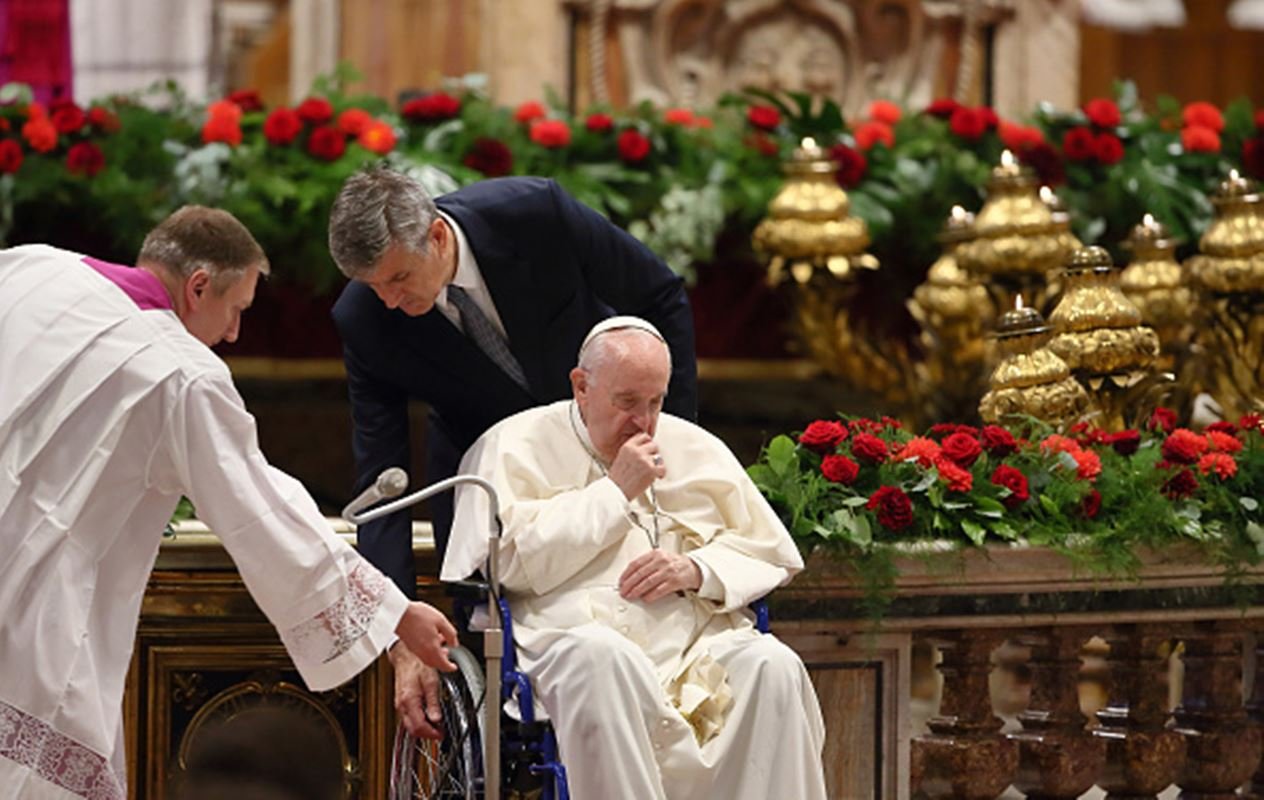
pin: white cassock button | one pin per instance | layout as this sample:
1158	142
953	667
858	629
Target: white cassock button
666	723
624	629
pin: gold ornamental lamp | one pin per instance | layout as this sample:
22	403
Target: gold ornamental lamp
1030	380
1019	238
1100	335
1156	285
1229	274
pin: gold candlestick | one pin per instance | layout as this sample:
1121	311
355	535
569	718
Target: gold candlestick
1030	379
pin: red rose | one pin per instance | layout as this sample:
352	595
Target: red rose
529	112
1251	422
434	107
851	165
1088	465
942	429
990	119
316	110
892	423
998	441
968	123
763	143
221	129
1124	442
1108	148
958	478
10	156
1091	504
884	111
282	126
491	157
962	448
103	119
40	134
1163	419
1103	112
354	121
942	107
1181	485
678	116
85	158
920	449
224	110
1202	115
599	123
1016	137
766	118
1199	139
550	133
840	469
1013	479
893	507
327	143
1044	159
1220	464
378	137
823	435
869	448
67	118
246	99
633	147
867	134
1183	446
1079	144
1222	442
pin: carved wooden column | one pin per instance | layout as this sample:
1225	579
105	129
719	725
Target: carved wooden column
1143	756
1057	757
1255	711
1222	746
964	756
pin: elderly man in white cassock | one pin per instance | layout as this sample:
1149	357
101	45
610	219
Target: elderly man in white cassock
633	542
112	406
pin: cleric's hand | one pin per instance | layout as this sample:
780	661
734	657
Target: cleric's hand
416	694
637	465
657	574
426	632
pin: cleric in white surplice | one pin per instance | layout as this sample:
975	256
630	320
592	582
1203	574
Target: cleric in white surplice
111	407
633	542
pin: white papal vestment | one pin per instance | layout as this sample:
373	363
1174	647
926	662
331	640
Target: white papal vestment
108	414
681	698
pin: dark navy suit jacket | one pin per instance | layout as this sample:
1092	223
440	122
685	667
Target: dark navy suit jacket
554	268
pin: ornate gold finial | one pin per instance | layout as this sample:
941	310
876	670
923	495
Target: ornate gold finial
1030	379
1155	283
1231	251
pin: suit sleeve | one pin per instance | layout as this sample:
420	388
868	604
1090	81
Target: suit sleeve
628	277
380	439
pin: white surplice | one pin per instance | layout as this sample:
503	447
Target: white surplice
681	698
108	414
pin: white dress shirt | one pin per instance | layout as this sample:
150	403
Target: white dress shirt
470	278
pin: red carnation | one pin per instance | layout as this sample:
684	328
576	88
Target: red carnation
1044	159
678	116
1183	446
378	137
868	134
998	441
529	112
316	110
1200	139
1223	425
1102	112
221	128
1016	137
550	133
893	507
434	107
1181	485
990	118
67	118
282	126
599	123
246	99
884	111
1251	422
942	107
103	119
1222	442
840	469
1087	434
1203	115
851	165
766	118
491	157
85	158
10	156
958	478
962	448
1088	465
869	448
1108	148
1163	419
327	143
40	134
823	435
1013	479
1079	144
1057	443
969	123
1124	442
1091	504
354	121
920	449
1220	464
633	147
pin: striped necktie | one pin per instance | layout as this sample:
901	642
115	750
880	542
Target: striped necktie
480	329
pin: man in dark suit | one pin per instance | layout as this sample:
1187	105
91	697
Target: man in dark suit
475	303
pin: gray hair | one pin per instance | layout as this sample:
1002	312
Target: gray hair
374	210
612	345
197	237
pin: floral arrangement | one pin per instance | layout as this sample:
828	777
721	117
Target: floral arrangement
861	488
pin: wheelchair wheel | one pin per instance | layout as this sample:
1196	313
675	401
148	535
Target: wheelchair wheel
423	769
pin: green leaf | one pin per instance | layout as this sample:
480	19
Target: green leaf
1249	503
862	533
1048	504
781	456
854	502
989	507
974	530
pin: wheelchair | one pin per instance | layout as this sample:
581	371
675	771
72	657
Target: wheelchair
485	754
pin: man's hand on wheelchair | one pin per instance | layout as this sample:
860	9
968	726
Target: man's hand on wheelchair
657	574
416	694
